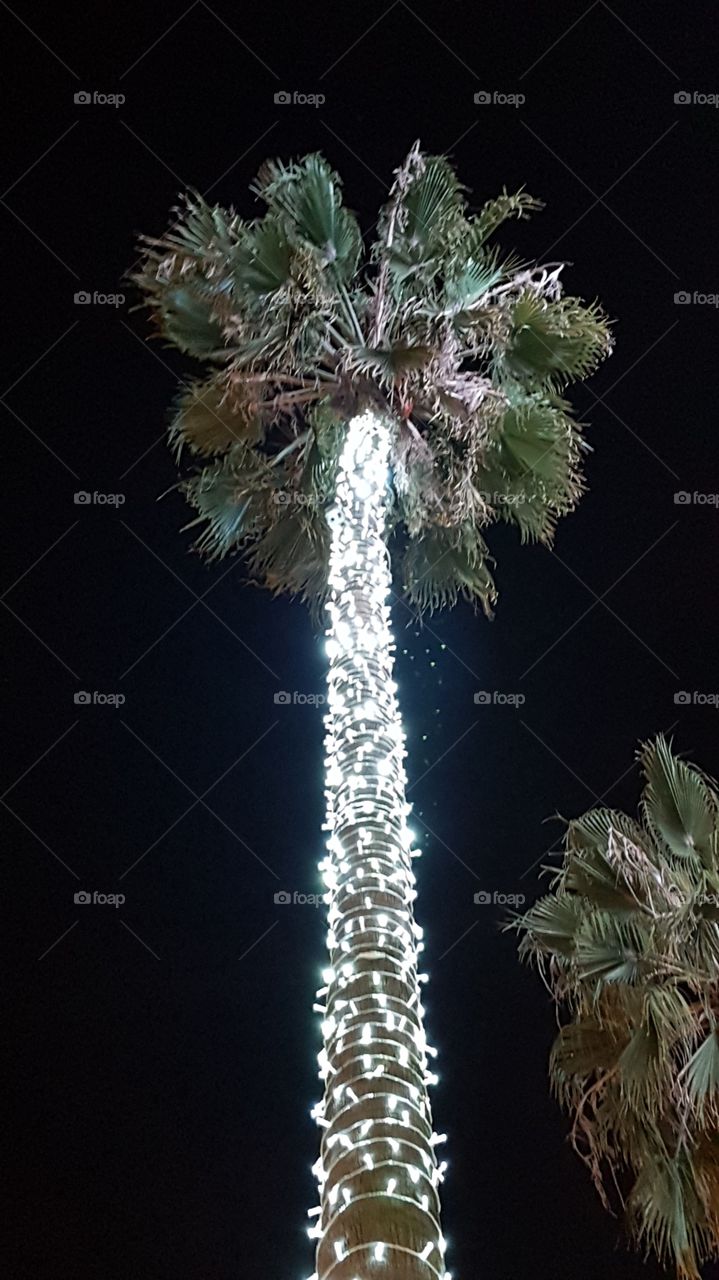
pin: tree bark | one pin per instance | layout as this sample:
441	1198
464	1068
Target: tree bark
377	1172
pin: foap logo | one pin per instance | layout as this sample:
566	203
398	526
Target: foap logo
695	98
683	298
97	899
294	98
496	98
497	498
695	698
682	498
285	698
483	898
83	98
296	899
283	498
97	699
84	499
83	298
496	698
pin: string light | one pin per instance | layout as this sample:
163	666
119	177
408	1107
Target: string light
377	1162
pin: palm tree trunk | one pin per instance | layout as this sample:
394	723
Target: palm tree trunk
378	1177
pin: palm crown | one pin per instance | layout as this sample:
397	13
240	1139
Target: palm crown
628	941
467	352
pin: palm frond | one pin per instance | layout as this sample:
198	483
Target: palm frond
677	803
209	419
440	565
497	211
293	555
263	262
232	499
307	196
553	343
702	1077
531	470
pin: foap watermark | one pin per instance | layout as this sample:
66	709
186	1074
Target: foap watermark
496	898
83	298
678	898
285	498
97	699
97	899
295	98
499	498
683	298
695	98
682	498
496	98
296	899
496	698
85	98
695	698
84	499
290	698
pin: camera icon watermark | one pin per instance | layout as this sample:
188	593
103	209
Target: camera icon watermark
96	699
285	698
84	499
83	298
496	698
683	298
296	899
294	98
286	498
83	98
685	98
483	898
84	899
695	698
503	498
682	498
496	98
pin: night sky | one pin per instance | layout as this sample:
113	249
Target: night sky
166	1047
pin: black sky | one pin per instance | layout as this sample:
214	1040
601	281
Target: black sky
166	1048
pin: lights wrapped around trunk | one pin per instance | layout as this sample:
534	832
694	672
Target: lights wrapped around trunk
377	1172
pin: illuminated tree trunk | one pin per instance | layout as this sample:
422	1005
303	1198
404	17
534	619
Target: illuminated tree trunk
379	1204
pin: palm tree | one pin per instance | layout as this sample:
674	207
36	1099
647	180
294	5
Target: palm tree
628	943
410	399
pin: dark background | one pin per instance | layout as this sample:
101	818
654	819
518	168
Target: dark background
167	1047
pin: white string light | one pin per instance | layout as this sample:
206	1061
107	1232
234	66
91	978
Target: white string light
376	1173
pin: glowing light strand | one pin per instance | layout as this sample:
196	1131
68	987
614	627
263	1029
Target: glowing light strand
377	1174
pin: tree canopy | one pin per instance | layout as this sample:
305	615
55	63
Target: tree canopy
297	325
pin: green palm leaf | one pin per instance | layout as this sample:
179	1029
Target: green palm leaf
433	200
678	803
264	261
497	211
702	1075
188	321
443	564
232	499
209	420
552	924
554	342
293	554
583	1048
307	196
